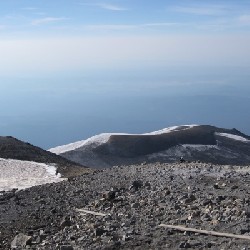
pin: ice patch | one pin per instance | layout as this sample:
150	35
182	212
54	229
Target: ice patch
103	138
25	174
234	137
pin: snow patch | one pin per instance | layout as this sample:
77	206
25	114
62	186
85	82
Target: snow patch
171	153
95	140
51	170
184	149
104	137
25	174
234	137
199	147
171	129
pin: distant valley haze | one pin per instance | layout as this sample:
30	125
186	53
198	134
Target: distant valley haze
72	69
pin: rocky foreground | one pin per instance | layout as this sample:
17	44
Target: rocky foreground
122	208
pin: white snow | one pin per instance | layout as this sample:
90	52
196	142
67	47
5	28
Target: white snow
95	140
181	150
199	147
25	174
104	137
171	129
234	137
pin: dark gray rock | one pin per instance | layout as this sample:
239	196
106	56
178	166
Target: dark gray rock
99	231
66	247
66	222
110	195
137	184
184	245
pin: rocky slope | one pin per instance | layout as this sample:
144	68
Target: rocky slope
131	202
12	148
205	143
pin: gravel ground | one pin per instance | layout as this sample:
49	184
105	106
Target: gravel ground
132	201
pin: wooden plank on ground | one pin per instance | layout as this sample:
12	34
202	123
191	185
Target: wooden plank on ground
90	212
214	233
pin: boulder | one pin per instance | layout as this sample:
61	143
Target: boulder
20	241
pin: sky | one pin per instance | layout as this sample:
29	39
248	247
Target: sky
64	55
77	35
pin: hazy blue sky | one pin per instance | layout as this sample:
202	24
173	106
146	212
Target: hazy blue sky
59	35
62	59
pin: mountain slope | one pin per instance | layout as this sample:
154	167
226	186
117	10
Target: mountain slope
193	142
12	148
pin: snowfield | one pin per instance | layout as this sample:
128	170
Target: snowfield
104	137
234	137
25	174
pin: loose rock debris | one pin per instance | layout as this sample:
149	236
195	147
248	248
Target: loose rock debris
122	208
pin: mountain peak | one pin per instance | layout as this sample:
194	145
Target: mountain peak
103	138
193	142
